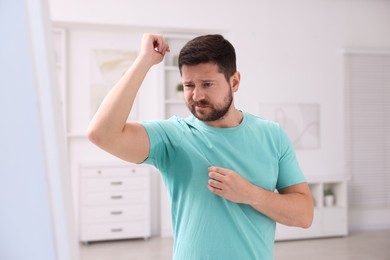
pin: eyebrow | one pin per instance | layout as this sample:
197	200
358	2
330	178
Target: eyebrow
208	81
203	81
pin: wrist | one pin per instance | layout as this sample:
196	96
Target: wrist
144	61
255	196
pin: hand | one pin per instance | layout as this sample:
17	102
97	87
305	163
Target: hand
153	48
229	185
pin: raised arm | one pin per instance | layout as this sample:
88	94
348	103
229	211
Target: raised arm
108	128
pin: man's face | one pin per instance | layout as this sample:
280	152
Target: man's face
207	93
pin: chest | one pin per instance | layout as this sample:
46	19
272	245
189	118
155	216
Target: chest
251	156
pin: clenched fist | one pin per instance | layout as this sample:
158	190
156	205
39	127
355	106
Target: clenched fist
153	48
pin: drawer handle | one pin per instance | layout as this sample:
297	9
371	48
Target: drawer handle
116	230
116	183
118	197
116	212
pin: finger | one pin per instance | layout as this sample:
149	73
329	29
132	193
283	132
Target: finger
215	190
164	47
160	45
215	184
216	176
219	170
157	45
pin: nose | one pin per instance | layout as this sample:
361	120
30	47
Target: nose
197	93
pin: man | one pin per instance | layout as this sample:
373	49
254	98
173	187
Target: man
221	166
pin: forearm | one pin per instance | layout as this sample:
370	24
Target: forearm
291	209
110	119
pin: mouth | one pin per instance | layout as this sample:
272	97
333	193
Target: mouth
201	104
200	108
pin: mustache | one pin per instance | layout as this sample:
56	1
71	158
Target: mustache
202	102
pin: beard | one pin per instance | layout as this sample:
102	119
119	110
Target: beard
214	113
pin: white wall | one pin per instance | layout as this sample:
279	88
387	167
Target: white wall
288	51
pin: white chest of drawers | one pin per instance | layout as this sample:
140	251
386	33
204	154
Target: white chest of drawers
114	202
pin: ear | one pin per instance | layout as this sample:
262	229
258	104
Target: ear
235	81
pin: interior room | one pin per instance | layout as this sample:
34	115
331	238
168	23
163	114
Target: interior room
321	69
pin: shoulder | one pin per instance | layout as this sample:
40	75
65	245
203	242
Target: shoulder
272	131
262	123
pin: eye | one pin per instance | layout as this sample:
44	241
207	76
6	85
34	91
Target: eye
208	84
189	85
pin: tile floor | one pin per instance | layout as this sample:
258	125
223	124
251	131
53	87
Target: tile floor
368	245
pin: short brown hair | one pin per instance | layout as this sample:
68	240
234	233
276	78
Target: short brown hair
210	48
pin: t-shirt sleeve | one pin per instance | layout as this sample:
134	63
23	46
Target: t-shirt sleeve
289	171
164	138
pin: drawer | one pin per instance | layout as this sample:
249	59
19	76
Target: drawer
93	232
118	197
115	213
113	171
116	184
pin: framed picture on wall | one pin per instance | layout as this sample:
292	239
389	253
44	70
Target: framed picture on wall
301	121
107	67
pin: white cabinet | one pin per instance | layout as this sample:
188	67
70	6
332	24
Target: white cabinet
329	220
114	202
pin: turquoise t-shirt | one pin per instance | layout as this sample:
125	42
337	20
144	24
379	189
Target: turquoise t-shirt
205	225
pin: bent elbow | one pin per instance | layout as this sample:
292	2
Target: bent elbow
307	221
93	135
307	224
308	218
